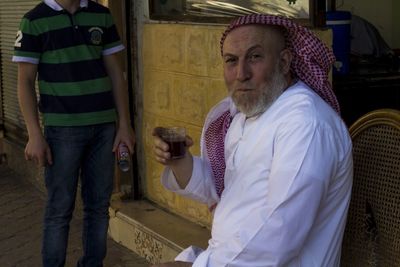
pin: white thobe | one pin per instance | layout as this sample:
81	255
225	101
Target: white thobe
287	189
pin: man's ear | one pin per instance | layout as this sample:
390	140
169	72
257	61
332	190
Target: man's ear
286	60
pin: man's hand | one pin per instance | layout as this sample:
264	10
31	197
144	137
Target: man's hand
125	135
38	151
174	264
161	148
182	168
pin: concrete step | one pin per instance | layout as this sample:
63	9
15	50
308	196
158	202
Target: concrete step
151	232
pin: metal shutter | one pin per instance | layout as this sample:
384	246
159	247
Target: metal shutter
11	12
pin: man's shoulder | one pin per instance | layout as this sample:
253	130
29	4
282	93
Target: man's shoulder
41	10
97	8
301	104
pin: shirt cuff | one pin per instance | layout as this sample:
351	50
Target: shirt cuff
113	50
202	259
189	254
25	59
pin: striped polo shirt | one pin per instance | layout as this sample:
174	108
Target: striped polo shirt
68	49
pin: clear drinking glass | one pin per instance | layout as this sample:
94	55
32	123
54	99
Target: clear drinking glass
175	138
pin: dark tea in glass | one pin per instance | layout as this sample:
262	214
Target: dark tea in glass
176	148
175	138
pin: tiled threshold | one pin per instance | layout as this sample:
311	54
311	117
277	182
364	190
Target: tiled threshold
152	232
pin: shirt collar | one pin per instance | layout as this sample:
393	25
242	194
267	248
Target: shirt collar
54	5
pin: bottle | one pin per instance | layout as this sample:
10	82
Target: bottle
123	157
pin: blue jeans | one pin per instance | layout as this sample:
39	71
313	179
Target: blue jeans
85	152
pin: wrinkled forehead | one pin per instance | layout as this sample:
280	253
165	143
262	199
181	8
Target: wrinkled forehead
252	34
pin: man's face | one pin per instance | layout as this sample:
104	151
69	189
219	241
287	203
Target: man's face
253	68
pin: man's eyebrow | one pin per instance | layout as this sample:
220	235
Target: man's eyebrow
228	55
248	51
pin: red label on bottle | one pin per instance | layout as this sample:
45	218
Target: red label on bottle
123	152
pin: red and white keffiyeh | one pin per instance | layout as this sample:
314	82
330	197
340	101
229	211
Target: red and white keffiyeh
214	137
311	63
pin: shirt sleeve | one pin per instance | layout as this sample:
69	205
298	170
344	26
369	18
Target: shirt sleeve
112	41
27	46
200	187
303	163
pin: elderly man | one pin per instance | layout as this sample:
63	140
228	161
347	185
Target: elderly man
276	157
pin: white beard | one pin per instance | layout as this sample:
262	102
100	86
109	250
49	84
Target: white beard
272	90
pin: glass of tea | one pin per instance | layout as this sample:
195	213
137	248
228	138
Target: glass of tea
175	138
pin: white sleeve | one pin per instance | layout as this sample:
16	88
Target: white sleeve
200	187
304	160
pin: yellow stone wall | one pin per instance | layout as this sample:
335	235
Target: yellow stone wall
182	81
